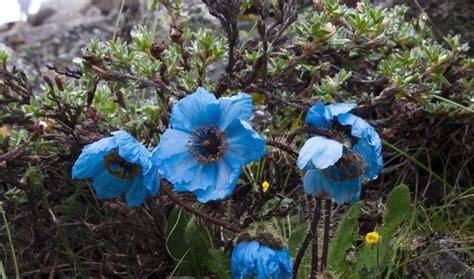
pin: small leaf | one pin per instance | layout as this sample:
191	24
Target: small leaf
398	205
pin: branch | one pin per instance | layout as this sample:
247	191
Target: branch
166	187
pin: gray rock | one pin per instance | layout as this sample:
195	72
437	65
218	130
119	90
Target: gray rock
440	262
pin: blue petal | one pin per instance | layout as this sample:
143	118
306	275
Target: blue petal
243	259
136	193
172	142
316	116
179	169
320	116
224	184
236	107
369	144
245	145
313	184
130	150
286	265
359	127
267	263
107	186
151	179
91	161
192	111
319	152
372	155
346	191
204	178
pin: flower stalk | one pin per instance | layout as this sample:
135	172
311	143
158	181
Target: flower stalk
314	244
327	227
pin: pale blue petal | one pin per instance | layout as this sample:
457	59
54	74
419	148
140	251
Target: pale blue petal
337	109
136	193
244	144
316	116
224	184
192	111
172	142
91	161
319	152
235	107
107	186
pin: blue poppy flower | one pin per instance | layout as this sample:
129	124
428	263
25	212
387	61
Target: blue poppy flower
255	259
117	165
208	144
336	166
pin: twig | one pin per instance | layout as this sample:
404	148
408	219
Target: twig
166	187
283	147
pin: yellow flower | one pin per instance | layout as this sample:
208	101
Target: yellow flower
265	186
372	238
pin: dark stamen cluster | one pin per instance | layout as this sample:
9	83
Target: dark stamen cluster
118	167
208	144
351	165
342	135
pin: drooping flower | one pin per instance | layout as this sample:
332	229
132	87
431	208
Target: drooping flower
118	165
252	258
209	142
335	166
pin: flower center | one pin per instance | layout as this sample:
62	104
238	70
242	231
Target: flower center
118	167
351	165
343	135
208	144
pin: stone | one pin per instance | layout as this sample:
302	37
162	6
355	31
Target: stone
438	260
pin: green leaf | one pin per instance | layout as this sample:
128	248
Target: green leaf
178	248
398	205
296	238
219	263
342	240
197	236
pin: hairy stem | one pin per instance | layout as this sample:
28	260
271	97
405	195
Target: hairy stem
327	223
314	244
166	188
300	254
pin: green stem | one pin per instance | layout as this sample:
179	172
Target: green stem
10	242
